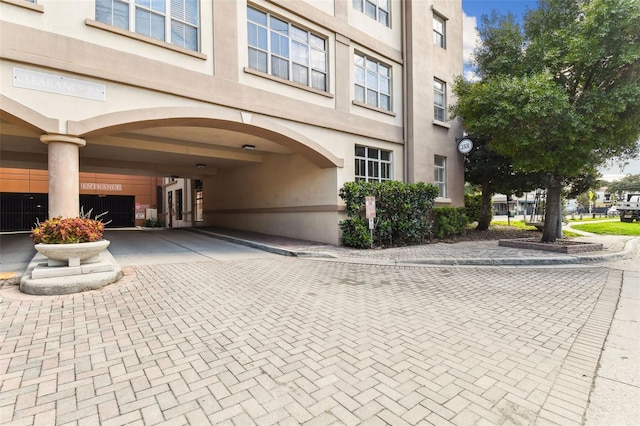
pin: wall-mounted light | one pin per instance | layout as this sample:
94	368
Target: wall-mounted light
201	166
249	147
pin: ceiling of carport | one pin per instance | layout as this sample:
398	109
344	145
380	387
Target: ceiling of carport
158	151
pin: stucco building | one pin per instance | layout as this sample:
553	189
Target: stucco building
269	105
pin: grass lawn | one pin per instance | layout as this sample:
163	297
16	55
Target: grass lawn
588	218
514	224
610	228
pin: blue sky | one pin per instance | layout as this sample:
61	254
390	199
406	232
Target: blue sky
474	9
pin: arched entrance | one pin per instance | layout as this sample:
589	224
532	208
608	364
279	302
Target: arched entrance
255	173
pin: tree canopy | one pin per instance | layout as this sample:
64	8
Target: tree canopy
629	183
560	95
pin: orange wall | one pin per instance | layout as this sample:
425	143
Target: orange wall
37	181
24	180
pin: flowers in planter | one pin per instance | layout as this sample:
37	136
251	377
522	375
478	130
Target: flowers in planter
71	230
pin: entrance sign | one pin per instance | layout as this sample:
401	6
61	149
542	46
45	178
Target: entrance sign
101	186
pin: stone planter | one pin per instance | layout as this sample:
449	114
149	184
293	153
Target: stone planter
72	254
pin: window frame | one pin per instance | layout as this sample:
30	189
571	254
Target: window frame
168	15
437	34
310	45
380	13
31	5
439	109
367	163
440	175
364	82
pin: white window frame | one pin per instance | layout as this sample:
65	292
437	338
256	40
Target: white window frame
373	164
310	61
378	10
439	108
440	175
370	79
439	34
170	16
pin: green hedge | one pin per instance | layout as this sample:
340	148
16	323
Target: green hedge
402	213
449	221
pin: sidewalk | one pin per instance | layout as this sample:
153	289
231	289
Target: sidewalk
462	253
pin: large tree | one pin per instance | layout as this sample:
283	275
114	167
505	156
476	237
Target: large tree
494	173
560	96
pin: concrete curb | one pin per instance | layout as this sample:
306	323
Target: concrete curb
247	243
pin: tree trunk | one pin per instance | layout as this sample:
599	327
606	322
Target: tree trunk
554	190
485	209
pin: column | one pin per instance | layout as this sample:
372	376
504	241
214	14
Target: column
64	174
344	72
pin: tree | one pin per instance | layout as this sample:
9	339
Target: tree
629	183
494	173
568	100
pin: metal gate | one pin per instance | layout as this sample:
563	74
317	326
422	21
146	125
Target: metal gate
19	212
121	209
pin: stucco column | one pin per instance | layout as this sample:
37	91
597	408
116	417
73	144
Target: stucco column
64	174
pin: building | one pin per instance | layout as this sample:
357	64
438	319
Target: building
265	107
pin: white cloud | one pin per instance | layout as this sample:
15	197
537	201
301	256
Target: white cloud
470	36
471	76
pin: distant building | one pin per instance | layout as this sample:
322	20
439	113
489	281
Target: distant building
266	108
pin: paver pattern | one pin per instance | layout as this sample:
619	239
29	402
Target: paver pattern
282	340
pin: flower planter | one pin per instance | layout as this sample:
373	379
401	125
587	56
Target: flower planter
72	254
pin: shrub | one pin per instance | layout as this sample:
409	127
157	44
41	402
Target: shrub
449	221
153	223
472	204
67	231
355	233
402	213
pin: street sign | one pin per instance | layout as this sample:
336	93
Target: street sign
370	207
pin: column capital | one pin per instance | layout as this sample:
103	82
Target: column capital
52	137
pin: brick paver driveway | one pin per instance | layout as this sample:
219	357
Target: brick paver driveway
279	340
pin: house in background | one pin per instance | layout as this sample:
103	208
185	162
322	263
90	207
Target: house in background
265	108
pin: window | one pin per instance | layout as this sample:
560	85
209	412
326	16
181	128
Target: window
199	207
439	100
179	204
173	21
372	164
372	82
375	9
440	175
439	34
285	50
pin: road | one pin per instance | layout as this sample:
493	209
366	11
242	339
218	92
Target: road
204	332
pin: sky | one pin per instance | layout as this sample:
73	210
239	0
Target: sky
473	10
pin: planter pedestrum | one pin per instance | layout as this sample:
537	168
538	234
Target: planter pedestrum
72	254
70	268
